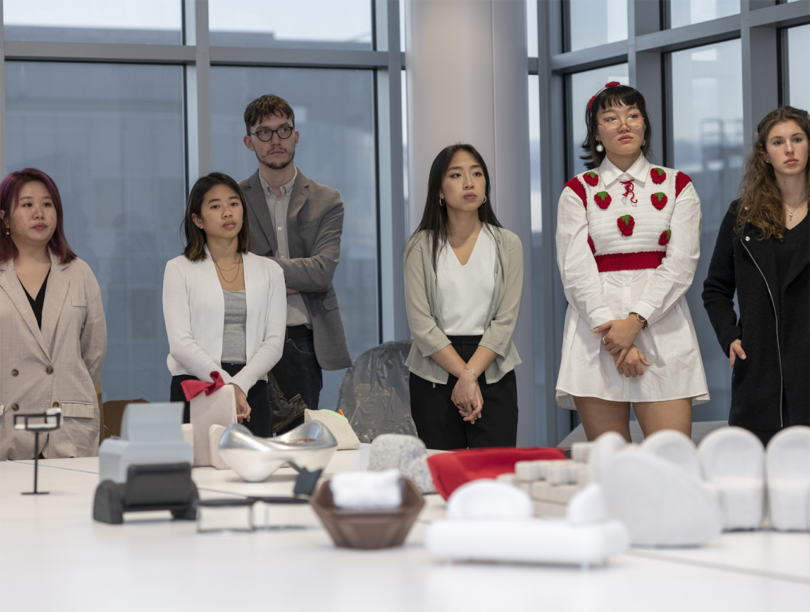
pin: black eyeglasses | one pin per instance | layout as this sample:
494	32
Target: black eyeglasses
265	135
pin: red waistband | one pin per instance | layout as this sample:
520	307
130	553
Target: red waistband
614	262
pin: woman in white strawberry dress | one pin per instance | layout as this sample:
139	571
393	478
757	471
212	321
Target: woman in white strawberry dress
628	242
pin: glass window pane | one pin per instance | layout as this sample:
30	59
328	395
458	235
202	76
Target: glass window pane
157	22
336	148
321	24
112	138
685	12
531	27
538	304
596	22
798	52
707	141
584	85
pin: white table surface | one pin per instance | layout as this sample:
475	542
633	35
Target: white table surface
53	556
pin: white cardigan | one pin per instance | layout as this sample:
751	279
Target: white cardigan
194	311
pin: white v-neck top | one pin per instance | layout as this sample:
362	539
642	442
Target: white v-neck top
465	292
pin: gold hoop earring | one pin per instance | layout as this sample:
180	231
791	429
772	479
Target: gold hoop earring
441	201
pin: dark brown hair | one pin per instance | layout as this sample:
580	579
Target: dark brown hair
434	219
760	200
195	237
266	106
9	195
618	95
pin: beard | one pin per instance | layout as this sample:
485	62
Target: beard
280	165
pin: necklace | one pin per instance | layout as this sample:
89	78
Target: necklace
236	267
792	210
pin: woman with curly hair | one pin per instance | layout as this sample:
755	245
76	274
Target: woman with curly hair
762	253
628	241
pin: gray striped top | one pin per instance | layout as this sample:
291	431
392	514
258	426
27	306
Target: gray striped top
233	336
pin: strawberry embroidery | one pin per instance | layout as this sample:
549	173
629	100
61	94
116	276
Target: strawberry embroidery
658	175
626	224
592	245
612	84
665	236
602	199
659	200
591	178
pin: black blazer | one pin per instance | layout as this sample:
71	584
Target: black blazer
771	387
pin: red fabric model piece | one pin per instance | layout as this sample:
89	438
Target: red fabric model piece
681	181
602	199
629	191
658	175
665	236
626	224
659	200
451	470
591	178
592	245
579	189
192	388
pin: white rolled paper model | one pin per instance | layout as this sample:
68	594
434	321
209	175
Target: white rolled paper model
492	521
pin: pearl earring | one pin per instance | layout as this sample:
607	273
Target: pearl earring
599	147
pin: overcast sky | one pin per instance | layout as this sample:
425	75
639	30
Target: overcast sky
345	20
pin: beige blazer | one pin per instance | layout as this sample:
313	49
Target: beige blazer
59	365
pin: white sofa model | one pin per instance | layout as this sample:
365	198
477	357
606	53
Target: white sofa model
492	521
733	460
787	464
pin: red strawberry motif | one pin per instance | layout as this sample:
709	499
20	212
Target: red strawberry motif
665	236
612	84
591	178
626	224
658	175
592	245
590	102
659	200
602	199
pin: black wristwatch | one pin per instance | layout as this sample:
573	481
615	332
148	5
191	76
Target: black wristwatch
641	320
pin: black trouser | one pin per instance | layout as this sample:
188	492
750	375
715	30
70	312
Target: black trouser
302	368
260	423
440	425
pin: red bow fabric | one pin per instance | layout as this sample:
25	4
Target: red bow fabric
451	470
192	388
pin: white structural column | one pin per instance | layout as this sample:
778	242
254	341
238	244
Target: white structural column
467	71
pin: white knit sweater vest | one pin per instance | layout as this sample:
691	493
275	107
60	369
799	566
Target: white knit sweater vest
628	222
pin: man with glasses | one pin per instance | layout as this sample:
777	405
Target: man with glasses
298	223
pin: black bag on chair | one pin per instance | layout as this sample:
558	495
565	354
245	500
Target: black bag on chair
286	405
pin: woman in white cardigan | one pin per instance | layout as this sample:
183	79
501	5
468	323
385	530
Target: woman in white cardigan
225	308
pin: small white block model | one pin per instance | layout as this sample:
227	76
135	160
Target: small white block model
733	460
489	522
676	448
787	462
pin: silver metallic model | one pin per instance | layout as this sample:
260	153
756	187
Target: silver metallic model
309	446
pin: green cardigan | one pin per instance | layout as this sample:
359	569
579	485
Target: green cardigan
425	317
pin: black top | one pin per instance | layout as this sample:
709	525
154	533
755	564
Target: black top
36	304
784	250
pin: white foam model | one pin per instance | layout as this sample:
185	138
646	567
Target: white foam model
491	521
733	460
601	450
150	434
219	408
787	462
661	503
676	448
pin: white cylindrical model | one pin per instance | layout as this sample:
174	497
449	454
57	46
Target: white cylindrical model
467	82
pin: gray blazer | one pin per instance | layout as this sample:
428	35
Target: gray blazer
59	365
314	227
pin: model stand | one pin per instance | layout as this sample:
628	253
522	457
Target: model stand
51	420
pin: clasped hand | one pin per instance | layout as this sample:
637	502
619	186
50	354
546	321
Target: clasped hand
618	337
467	397
242	407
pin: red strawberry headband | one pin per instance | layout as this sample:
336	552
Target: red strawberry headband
611	84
